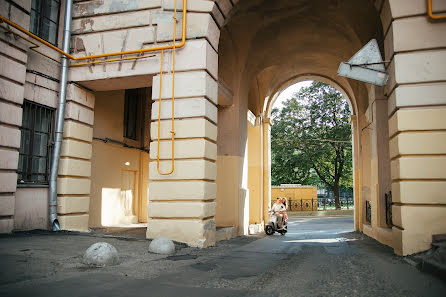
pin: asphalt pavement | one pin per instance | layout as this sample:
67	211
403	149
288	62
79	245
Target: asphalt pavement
319	256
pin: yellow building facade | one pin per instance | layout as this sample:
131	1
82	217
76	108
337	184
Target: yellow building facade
214	94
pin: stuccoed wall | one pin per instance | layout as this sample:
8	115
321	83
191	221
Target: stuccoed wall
295	194
104	27
255	173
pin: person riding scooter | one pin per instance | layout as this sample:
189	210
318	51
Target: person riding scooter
278	210
285	216
275	222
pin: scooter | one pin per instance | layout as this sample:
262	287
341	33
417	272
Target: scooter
273	226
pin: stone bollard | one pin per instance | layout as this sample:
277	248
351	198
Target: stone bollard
162	245
101	254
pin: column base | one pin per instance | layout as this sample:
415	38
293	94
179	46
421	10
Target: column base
6	225
256	228
193	232
226	233
74	222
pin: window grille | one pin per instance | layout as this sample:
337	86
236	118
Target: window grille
37	137
368	212
44	20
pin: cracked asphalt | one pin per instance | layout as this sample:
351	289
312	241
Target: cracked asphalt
319	256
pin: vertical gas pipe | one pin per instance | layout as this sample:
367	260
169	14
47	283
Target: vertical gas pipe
60	119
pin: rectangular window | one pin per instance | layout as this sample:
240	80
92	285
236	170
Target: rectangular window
131	102
134	108
45	19
37	135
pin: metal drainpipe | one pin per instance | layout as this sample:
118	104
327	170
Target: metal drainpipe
60	119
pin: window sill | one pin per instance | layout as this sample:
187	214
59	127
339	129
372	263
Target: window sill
26	185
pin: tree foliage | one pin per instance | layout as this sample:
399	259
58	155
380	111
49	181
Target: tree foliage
311	140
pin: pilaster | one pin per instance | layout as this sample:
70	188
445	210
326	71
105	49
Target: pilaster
255	172
12	81
417	127
266	127
73	182
182	204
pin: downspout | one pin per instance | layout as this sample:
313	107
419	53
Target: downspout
60	119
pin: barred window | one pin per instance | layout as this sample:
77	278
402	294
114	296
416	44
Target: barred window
45	19
36	142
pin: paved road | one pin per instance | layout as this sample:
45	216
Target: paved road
317	257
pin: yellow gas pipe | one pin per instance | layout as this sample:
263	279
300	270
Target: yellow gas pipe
430	13
141	51
173	102
34	45
92	57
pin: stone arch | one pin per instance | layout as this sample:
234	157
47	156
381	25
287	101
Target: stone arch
345	91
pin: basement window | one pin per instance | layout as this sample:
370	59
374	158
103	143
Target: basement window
45	19
37	136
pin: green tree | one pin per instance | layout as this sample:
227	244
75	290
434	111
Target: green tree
311	140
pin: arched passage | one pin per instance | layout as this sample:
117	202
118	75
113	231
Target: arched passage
272	103
292	41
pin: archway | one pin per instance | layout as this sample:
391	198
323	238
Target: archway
292	41
312	165
346	93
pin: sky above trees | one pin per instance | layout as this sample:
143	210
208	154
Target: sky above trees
289	92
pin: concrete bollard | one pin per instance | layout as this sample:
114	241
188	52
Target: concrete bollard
101	254
162	245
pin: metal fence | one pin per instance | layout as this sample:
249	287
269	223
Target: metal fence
37	137
319	204
329	203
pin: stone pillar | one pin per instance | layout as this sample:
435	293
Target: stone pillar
73	182
266	127
182	204
255	173
417	125
231	175
356	174
12	80
365	172
380	183
381	160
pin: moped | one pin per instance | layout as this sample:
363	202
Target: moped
273	225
